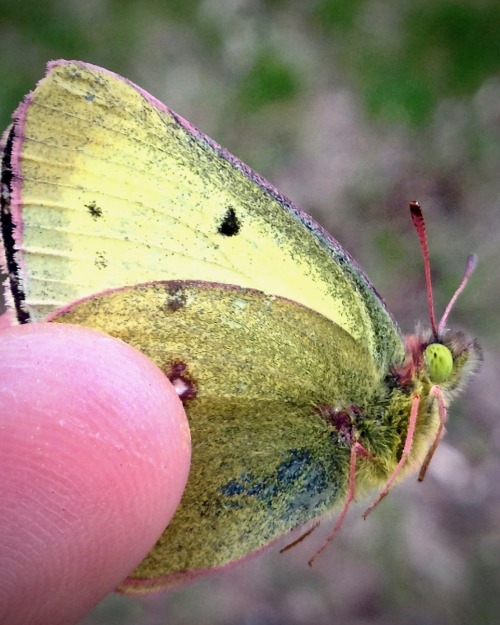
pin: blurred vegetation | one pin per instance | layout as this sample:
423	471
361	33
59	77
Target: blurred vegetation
351	107
401	56
405	56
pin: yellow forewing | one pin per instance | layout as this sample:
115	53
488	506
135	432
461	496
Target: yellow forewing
115	189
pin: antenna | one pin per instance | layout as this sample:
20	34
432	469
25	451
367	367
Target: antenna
419	223
469	268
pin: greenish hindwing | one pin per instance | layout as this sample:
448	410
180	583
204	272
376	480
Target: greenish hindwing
254	371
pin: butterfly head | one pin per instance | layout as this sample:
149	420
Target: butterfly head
441	359
446	362
439	362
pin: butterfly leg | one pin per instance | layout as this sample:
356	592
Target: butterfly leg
404	456
443	416
298	540
356	450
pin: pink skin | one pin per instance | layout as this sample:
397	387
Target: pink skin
94	456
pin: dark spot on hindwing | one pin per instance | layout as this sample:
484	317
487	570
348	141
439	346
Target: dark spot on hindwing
298	477
230	224
176	298
94	211
8	227
182	381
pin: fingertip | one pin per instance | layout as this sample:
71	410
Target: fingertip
94	457
7	319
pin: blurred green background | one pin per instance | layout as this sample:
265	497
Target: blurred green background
351	108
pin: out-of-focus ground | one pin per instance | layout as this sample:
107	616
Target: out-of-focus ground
351	109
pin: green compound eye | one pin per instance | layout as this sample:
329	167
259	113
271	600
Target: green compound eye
439	362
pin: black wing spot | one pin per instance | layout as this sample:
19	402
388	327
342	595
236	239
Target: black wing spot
94	211
230	224
100	260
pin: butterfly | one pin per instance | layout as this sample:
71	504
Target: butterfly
299	387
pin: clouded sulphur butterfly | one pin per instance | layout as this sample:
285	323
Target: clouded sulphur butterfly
299	387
